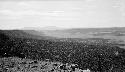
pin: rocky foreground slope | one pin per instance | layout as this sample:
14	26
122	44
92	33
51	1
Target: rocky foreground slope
14	64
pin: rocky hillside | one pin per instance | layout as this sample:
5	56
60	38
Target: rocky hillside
93	54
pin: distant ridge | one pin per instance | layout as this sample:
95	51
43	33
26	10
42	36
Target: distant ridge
44	28
62	28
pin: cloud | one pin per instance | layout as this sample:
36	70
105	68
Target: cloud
23	4
6	12
89	0
30	12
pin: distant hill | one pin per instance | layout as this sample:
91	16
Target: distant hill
107	33
43	28
84	33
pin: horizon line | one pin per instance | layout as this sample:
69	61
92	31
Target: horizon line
59	27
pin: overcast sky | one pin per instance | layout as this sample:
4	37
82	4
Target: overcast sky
62	13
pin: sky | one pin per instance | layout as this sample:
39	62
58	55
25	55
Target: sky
62	13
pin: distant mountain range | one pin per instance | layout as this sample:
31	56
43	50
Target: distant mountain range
108	33
61	28
55	32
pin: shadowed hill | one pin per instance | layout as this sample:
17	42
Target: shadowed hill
25	34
